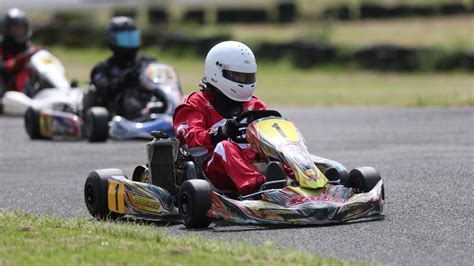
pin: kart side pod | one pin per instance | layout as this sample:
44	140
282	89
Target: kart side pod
162	154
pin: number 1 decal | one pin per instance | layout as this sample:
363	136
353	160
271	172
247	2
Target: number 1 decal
116	202
116	195
278	128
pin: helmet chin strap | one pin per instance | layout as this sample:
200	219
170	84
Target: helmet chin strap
225	106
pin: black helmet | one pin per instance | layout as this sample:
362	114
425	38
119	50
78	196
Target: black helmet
16	26
123	36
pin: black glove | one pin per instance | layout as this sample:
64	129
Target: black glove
219	134
130	74
237	132
231	129
133	72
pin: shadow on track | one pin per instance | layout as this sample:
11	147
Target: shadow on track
220	226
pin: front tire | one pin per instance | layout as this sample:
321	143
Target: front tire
364	179
334	174
32	123
194	201
95	193
96	121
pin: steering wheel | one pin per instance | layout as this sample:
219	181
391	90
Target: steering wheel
251	116
160	98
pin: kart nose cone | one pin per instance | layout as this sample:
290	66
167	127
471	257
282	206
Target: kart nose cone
312	174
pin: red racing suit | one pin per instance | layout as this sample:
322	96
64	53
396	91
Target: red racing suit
229	165
13	68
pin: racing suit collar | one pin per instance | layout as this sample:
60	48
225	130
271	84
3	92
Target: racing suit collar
226	107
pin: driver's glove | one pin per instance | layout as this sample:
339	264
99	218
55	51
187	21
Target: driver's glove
238	132
224	132
133	72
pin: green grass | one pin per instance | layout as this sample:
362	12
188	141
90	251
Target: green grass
281	84
27	239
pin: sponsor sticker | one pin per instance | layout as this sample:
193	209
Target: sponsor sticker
144	203
307	199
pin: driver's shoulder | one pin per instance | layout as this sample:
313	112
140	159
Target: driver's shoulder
194	102
197	99
144	59
102	66
255	104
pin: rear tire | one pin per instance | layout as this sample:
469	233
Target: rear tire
32	123
189	172
194	201
141	174
96	121
364	179
95	193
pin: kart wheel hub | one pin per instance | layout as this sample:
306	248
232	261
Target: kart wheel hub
89	195
184	205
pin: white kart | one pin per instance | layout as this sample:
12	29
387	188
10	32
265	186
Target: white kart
49	85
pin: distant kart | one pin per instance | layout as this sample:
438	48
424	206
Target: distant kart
172	185
46	84
54	118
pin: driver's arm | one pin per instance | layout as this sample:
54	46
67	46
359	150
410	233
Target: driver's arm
106	86
190	126
18	62
13	65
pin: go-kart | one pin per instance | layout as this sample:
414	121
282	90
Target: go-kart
173	183
46	85
68	120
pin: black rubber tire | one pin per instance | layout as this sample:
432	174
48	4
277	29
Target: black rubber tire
194	201
32	123
138	172
189	172
364	178
332	174
95	193
96	122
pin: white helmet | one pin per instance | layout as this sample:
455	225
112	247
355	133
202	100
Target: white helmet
230	67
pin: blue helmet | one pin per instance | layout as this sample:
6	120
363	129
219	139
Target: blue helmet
123	33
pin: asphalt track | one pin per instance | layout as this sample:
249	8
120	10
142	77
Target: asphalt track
426	157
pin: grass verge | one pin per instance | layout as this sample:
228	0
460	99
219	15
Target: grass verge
281	84
27	239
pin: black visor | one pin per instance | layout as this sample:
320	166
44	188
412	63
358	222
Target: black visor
17	32
239	77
